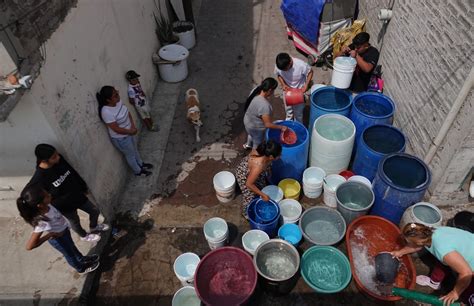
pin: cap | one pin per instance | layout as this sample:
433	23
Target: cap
131	74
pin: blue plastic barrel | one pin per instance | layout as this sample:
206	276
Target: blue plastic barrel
370	108
270	228
329	100
400	182
294	158
376	142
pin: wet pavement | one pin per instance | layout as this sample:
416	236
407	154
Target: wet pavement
237	44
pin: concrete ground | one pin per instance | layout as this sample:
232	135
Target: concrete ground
161	216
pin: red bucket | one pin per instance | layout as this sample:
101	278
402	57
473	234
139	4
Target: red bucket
346	174
225	276
288	137
294	96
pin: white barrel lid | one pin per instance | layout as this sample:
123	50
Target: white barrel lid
173	53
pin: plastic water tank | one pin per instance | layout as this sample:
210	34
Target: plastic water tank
293	160
400	182
331	143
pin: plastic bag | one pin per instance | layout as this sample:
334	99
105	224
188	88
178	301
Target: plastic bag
344	36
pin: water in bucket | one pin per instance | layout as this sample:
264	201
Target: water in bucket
426	214
278	265
322	231
186	296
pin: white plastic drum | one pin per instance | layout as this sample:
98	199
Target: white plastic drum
178	70
331	143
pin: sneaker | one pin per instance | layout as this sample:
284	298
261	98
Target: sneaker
100	228
147	166
90	259
143	173
92	267
424	280
246	146
91	238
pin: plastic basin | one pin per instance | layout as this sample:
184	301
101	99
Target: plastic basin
322	226
274	192
325	269
291	188
366	237
225	276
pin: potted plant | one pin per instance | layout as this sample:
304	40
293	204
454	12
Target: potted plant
164	31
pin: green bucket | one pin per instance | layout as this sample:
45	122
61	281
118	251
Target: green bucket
325	269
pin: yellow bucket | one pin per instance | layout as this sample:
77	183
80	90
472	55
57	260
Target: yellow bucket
291	188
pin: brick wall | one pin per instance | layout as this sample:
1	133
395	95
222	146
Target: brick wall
426	58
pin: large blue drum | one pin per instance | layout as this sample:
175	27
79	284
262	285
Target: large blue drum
400	182
294	157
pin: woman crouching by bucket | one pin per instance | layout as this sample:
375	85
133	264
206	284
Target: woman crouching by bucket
454	248
253	170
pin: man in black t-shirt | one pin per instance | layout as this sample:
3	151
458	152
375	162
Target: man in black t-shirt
366	57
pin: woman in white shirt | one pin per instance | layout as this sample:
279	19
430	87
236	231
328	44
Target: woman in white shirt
50	225
121	128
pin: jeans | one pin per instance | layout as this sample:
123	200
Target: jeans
255	137
73	217
66	246
128	146
294	112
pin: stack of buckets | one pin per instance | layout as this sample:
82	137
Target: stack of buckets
184	267
216	232
313	178
224	184
331	182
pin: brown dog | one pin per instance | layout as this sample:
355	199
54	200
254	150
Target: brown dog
193	111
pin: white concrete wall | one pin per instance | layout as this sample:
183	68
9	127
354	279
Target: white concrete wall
426	58
94	46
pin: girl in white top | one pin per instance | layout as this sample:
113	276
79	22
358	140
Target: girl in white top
121	128
50	225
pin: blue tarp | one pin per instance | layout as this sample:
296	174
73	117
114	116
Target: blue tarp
303	17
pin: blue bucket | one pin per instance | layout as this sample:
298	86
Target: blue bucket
329	100
294	158
376	142
269	228
370	108
400	182
266	212
291	233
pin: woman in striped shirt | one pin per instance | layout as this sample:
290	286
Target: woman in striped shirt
121	128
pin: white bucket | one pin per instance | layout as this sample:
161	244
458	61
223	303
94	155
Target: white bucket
252	239
184	267
331	143
313	182
330	186
343	70
186	296
274	192
424	213
290	210
224	185
360	178
187	39
178	70
216	232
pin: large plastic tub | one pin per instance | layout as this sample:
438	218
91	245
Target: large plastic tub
366	237
293	160
401	181
325	269
376	142
225	276
322	226
370	108
329	100
331	143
